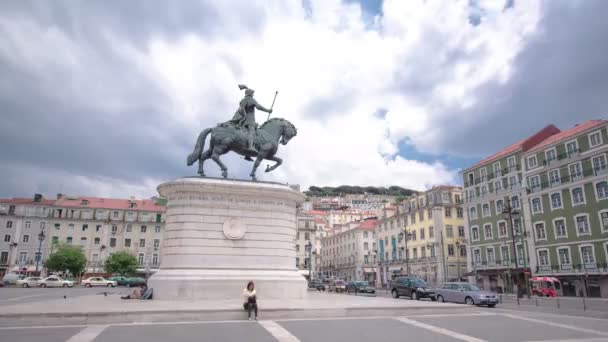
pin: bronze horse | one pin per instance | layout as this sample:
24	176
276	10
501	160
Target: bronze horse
227	137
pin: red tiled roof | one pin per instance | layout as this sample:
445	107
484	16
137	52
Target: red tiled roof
320	220
109	203
523	144
29	201
368	225
568	133
317	212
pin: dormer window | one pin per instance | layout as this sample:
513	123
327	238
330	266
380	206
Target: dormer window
132	205
84	202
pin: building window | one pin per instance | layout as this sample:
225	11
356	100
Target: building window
487	231
541	233
556	201
28	224
42	225
112	242
422	252
366	246
115	214
502	229
534	182
415	252
459	213
484	190
7	238
413	218
473	213
578	196
550	155
421	233
604	220
564	256
449	231
511	163
451	250
306	236
97	241
595	139
85	227
55	240
601	190
496	169
414	235
587	256
504	254
26	238
83	241
157	229
68	240
140	259
97	227
543	257
129	228
512	181
156	243
142	243
576	171
22	258
572	148
560	228
114	228
127	242
498	185
448	212
475	233
486	210
461	231
537	206
432	232
499	206
429	214
554	177
582	224
155	259
477	256
532	162
515	202
420	216
9	224
491	255
144	229
599	164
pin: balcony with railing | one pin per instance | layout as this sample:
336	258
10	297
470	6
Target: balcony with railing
571	178
582	269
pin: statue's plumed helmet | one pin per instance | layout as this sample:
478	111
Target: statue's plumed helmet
248	91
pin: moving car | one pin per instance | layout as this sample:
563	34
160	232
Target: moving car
55	281
337	285
29	282
412	287
98	281
11	279
359	286
316	284
465	293
128	281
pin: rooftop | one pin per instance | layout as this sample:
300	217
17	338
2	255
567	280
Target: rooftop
90	202
569	133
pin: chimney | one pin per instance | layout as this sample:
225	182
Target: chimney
37	198
59	196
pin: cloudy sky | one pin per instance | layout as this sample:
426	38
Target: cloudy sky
106	98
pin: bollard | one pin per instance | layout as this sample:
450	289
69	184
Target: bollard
584	304
557	300
536	300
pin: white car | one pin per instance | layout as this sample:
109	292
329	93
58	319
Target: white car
98	281
29	282
55	281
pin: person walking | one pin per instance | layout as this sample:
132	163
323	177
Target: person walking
251	303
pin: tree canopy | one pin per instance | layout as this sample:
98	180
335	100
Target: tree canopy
67	257
316	191
121	263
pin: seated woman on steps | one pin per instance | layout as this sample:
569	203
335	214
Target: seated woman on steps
250	300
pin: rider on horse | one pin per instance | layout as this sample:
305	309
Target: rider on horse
244	117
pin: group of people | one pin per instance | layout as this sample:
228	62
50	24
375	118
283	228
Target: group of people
141	292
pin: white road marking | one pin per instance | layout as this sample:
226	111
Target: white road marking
88	334
598	339
558	325
545	315
439	330
278	332
237	321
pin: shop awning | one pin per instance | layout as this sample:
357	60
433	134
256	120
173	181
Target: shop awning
368	270
394	269
24	269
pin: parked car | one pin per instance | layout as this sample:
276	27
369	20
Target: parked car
337	285
11	279
465	293
316	284
412	287
29	282
128	281
98	281
359	286
55	281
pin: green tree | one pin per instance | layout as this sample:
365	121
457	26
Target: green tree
121	263
67	257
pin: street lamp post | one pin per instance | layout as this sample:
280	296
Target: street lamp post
406	236
41	237
458	259
309	247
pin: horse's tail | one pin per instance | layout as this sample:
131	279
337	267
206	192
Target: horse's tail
199	146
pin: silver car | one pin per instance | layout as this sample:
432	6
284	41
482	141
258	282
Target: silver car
29	282
465	293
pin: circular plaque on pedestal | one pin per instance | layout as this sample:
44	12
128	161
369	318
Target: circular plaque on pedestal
234	228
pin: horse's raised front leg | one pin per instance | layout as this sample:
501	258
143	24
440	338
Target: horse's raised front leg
278	163
217	152
257	163
201	161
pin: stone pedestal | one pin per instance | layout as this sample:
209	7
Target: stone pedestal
220	234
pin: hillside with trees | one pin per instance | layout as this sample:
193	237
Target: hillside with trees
316	191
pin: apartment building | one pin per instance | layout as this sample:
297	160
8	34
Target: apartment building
389	254
101	226
306	245
567	178
348	254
